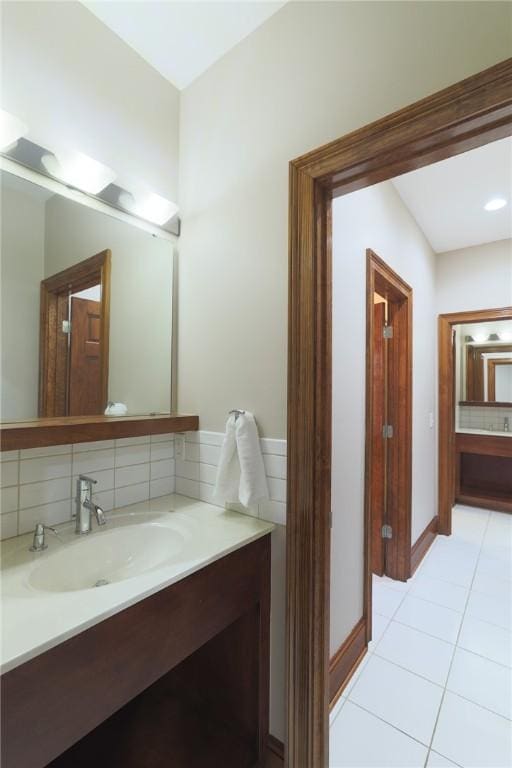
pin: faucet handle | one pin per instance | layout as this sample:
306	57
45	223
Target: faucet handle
85	479
38	543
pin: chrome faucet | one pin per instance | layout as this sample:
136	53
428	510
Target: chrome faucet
85	506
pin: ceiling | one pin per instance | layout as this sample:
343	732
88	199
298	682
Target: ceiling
447	199
182	39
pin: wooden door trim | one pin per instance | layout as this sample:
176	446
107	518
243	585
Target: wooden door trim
423	543
78	277
382	279
447	402
464	116
346	659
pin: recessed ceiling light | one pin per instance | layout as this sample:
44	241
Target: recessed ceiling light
11	129
79	170
495	204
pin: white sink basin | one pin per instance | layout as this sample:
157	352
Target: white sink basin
49	596
110	556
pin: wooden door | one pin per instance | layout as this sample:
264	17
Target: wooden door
378	486
85	387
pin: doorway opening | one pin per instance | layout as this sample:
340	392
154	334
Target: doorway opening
388	421
471	472
462	117
74	339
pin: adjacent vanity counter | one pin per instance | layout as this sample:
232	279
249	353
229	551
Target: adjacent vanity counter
483	468
488	432
51	596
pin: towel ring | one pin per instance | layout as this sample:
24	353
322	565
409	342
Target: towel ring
237	413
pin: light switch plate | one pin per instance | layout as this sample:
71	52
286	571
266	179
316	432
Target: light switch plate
431	420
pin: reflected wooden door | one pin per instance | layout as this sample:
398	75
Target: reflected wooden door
85	387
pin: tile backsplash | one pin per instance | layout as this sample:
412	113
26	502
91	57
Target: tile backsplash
38	484
484	417
196	467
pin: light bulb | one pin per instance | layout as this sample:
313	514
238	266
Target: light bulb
149	206
495	204
79	170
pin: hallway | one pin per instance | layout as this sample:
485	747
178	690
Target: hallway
435	688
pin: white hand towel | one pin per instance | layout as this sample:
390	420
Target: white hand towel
227	482
253	480
241	473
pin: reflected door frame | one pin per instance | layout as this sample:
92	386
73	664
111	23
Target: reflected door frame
492	364
448	403
53	344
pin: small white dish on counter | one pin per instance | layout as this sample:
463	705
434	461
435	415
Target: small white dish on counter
50	596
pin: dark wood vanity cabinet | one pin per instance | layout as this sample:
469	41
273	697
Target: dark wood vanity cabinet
483	475
179	679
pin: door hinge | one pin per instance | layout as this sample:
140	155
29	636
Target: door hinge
387	431
387	331
387	532
66	326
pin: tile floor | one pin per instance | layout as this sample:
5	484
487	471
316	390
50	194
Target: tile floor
435	688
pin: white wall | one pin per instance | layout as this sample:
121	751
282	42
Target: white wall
475	278
140	297
22	264
374	218
311	73
77	85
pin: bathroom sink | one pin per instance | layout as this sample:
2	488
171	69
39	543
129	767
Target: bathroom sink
111	556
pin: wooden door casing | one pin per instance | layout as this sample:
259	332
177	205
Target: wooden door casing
378	486
466	115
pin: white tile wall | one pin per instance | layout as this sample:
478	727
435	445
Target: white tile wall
474	417
197	468
38	484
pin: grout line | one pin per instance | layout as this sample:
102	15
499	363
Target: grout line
18	498
469	591
414	738
411	671
439	605
429	634
436	723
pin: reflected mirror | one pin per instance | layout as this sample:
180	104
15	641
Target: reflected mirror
484	369
86	308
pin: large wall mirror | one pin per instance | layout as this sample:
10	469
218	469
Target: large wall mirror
86	308
484	372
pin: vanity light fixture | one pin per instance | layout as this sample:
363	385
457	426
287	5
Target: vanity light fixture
149	206
11	129
505	336
79	170
479	338
495	204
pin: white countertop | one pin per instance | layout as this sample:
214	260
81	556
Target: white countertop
36	619
488	432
